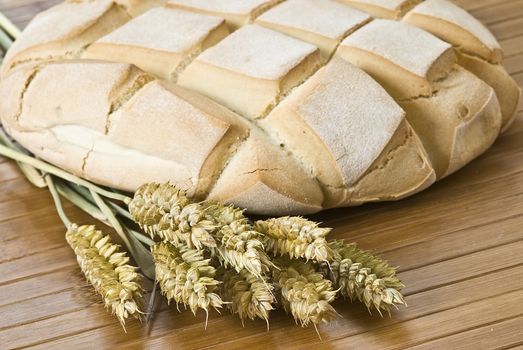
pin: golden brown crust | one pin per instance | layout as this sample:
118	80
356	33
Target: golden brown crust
63	31
506	88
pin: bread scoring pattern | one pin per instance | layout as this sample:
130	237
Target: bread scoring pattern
244	102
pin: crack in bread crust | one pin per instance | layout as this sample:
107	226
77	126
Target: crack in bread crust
28	82
84	160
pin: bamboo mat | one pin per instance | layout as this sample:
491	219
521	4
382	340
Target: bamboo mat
459	246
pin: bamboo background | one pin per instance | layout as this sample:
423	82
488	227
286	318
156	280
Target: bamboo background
459	246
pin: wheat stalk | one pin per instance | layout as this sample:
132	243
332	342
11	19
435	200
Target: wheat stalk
248	296
240	245
8	27
186	277
5	40
164	211
151	203
305	293
295	237
108	271
362	276
196	226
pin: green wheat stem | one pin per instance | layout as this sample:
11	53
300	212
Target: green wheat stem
81	202
87	194
9	27
121	211
83	192
5	40
87	197
142	238
108	213
57	201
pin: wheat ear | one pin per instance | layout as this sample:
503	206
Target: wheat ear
362	276
239	245
248	296
164	211
305	293
107	269
295	237
186	277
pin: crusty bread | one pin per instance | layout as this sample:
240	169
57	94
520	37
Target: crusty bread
161	41
406	59
506	88
245	79
477	49
64	30
457	26
137	7
307	123
445	104
236	12
306	105
261	176
392	9
323	23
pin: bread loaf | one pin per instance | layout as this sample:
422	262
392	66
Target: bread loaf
280	107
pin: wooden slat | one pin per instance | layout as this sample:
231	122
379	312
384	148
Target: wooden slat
512	46
8	171
443	248
474	5
449	322
36	264
514	64
504	11
508	29
459	247
45	283
44	229
463	267
32	310
504	334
